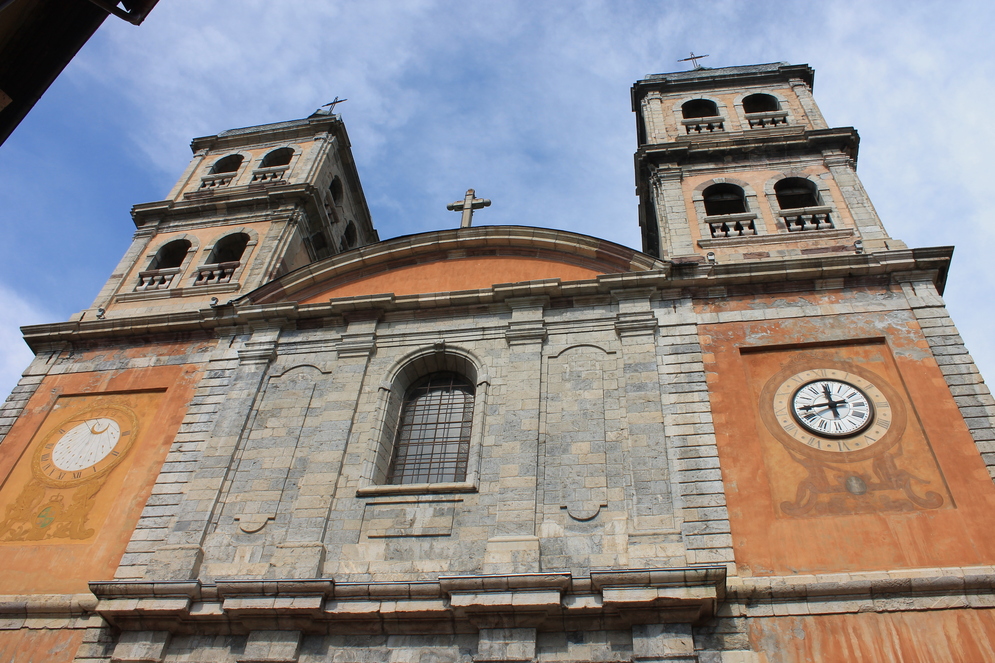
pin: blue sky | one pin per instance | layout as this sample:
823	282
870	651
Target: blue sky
527	102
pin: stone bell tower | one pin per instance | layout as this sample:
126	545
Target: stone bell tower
253	204
738	164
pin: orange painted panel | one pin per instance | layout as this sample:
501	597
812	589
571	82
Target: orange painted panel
456	274
40	646
78	467
920	498
935	636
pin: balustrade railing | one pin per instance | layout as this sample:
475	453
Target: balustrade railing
733	225
215	181
767	119
263	175
704	125
807	218
156	279
217	273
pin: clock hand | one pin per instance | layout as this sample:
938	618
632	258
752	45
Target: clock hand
832	404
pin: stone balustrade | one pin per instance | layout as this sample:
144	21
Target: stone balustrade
807	218
706	125
732	225
156	279
767	119
217	273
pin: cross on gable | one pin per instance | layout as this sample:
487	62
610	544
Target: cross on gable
694	60
467	205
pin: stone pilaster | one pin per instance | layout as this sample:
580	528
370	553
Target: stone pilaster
212	435
671	213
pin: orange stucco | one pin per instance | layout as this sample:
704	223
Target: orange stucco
950	636
65	564
42	645
455	274
850	534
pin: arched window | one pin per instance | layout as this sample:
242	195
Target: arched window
724	199
349	236
795	192
335	188
760	103
170	255
228	249
228	164
432	443
699	108
278	157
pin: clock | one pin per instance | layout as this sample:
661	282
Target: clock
832	407
86	446
832	411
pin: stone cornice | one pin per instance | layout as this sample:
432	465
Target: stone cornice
708	78
932	263
247	197
711	147
615	598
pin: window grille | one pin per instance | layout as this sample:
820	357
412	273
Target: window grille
433	437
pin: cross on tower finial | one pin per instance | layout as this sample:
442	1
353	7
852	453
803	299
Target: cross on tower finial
694	60
331	105
467	205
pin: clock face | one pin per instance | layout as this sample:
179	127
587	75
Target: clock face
86	446
835	412
832	408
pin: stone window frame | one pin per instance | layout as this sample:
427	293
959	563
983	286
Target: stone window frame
782	100
286	170
822	188
208	179
243	261
681	123
187	259
752	209
390	397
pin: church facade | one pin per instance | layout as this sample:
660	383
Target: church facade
274	437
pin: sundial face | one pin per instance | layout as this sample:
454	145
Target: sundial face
86	446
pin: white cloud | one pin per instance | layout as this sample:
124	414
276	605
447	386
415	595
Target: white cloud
15	355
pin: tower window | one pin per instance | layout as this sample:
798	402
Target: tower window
795	192
764	110
228	164
164	266
800	205
279	157
228	249
699	108
349	237
432	443
170	255
335	188
724	199
761	103
701	116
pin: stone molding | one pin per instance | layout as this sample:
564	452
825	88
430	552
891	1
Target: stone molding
934	261
610	599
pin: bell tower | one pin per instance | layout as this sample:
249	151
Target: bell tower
738	164
253	204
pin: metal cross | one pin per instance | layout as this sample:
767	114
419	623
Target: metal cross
331	106
467	205
694	60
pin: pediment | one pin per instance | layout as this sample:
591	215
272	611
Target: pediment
455	260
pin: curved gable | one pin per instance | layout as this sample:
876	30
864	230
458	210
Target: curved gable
454	260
